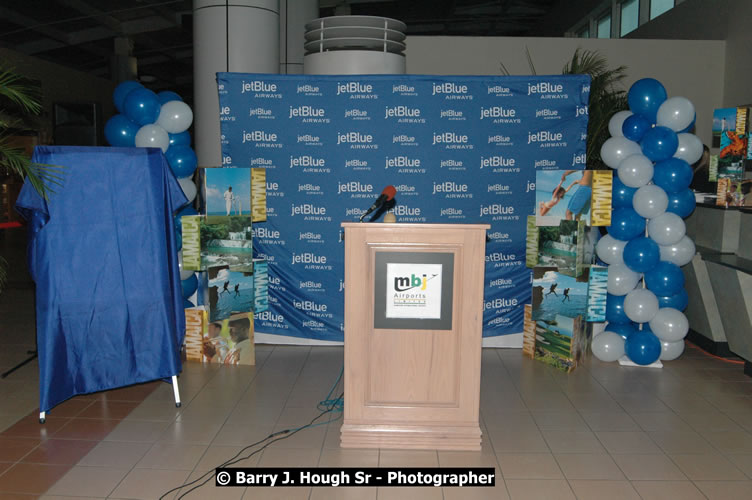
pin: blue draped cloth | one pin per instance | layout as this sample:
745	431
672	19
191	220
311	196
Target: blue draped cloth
102	252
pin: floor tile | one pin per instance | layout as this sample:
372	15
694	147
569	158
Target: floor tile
30	427
115	454
177	456
529	466
743	462
88	482
414	493
209	490
31	478
610	421
344	493
708	467
216	456
60	451
349	458
13	449
648	467
667	490
192	432
149	483
511	441
497	492
602	489
724	490
660	421
591	466
730	441
84	428
681	442
627	442
560	421
408	458
572	442
137	431
539	489
484	458
289	458
277	493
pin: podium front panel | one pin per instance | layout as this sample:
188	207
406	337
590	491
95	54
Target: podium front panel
413	327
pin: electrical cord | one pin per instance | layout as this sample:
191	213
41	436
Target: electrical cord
326	406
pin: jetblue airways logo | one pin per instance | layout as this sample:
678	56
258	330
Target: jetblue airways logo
355	188
452	140
451	91
500	114
307	161
356	140
451	189
309	114
356	90
257	86
546	139
404	163
545	88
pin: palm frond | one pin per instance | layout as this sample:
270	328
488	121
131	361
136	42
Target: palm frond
20	91
530	61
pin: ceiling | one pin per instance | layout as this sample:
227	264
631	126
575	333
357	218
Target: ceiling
82	34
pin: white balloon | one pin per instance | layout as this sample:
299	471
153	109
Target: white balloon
610	250
616	122
615	149
608	346
635	170
675	113
184	275
666	229
690	148
680	253
175	117
669	324
640	305
621	279
152	136
671	350
650	201
189	188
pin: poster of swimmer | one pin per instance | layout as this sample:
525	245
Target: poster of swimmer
228	191
562	195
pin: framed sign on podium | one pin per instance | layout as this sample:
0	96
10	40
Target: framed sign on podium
413	328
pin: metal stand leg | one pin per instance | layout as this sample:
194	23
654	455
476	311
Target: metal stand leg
42	417
176	390
32	357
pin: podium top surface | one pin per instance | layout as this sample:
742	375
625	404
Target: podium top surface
399	225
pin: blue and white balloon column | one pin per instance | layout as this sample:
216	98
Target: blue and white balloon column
651	151
160	120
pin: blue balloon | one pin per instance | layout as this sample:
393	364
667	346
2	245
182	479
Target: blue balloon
623	329
121	91
645	96
181	139
621	194
167	96
187	303
182	160
678	301
120	132
186	210
635	126
189	286
626	224
673	175
643	347
142	106
665	279
641	254
682	203
615	310
659	143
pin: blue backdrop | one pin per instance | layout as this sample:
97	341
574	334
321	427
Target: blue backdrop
458	149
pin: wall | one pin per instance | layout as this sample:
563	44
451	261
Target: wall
61	84
738	89
690	68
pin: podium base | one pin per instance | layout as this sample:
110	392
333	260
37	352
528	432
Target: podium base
414	437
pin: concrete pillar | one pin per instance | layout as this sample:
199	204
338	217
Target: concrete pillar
293	15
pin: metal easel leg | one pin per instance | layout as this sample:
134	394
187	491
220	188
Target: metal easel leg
176	391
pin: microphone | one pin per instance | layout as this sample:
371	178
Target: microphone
386	195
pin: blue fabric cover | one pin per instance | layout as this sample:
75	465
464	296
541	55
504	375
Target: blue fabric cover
103	255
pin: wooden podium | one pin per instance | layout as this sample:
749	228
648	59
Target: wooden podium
413	324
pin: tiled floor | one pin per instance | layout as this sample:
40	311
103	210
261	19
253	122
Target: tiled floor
602	432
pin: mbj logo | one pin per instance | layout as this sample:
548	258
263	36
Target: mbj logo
258	136
401	161
405	283
306	161
401	112
448	88
307	112
354	187
499	303
307	209
496	209
354	88
544	136
497	112
581	111
544	88
308	258
579	159
449	187
496	161
354	138
449	138
257	86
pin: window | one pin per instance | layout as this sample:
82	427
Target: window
630	16
604	26
584	32
658	7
